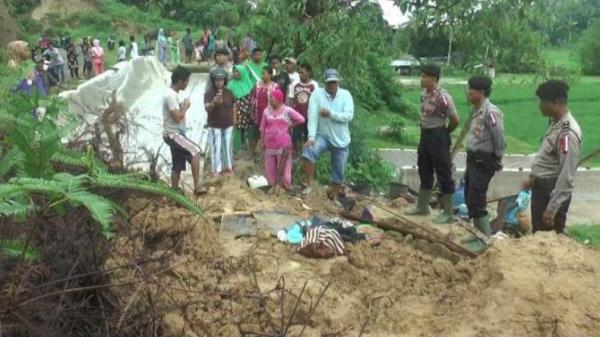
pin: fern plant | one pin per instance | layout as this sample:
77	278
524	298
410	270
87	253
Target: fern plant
30	150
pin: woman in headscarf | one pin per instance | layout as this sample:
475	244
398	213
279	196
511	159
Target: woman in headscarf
174	55
260	97
162	47
97	58
241	86
277	120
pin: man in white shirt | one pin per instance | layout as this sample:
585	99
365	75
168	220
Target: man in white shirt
182	148
290	67
122	52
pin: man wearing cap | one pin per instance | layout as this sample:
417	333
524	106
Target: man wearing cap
485	148
219	103
290	67
330	111
221	63
555	165
437	107
36	81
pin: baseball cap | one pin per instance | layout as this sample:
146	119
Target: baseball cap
332	75
290	60
218	74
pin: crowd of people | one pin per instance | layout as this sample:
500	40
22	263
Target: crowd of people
283	113
276	109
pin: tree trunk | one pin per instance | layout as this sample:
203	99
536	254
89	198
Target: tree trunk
449	47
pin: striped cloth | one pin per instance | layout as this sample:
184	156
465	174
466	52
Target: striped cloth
326	236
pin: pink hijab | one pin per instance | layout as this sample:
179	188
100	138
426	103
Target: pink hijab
98	51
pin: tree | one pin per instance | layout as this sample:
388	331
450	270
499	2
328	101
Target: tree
475	31
589	49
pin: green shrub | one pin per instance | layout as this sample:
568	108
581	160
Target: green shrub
558	71
398	126
589	49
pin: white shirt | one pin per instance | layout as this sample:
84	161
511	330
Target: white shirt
134	50
294	78
171	103
122	53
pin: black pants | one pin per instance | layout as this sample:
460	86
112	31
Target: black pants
434	156
540	197
480	170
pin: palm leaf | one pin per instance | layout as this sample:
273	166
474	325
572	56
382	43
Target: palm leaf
39	185
14	208
10	160
16	249
10	190
99	207
115	181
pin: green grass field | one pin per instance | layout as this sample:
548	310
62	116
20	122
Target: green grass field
589	234
524	124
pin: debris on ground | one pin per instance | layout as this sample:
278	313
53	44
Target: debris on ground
207	284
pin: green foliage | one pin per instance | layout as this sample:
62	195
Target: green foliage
135	184
558	71
475	32
589	49
20	7
33	153
586	233
16	248
398	126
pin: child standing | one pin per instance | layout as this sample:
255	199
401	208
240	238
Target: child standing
277	120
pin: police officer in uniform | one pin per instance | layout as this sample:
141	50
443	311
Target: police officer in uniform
485	148
555	165
437	107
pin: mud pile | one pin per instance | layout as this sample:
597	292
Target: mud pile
201	284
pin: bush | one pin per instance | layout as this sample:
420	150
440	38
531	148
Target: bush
558	71
398	125
589	50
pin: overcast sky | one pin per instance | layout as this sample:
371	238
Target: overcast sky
392	13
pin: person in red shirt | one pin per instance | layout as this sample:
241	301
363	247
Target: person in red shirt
302	91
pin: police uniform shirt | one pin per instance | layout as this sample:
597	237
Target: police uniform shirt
558	158
436	106
486	132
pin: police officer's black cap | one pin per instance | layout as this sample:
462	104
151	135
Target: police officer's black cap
552	90
431	70
481	83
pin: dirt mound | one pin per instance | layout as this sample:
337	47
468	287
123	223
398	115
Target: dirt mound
61	7
202	285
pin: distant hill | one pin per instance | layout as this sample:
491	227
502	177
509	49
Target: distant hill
62	7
